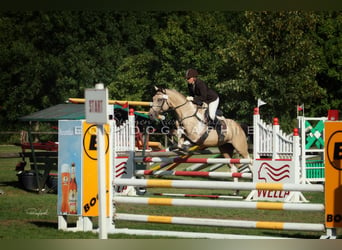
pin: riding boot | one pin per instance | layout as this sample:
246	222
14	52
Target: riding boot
218	126
210	124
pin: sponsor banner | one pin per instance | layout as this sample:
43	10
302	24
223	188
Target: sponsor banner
124	169
69	167
333	174
90	170
273	171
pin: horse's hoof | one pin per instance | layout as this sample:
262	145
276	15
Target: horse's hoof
236	193
185	148
173	147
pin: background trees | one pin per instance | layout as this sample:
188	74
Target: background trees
284	58
277	60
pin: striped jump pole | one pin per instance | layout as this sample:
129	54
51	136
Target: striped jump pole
152	183
194	160
210	196
220	204
164	153
221	222
173	164
200	166
176	164
194	174
191	235
120	102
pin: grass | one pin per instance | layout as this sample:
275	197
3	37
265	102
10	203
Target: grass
28	215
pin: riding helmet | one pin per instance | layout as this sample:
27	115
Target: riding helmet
191	73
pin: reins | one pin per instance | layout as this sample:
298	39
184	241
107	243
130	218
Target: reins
164	100
193	115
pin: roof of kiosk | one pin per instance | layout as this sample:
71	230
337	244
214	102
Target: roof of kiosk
66	112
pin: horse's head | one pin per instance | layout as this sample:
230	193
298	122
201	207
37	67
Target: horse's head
160	103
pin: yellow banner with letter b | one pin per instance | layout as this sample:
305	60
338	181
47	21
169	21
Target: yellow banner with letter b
333	174
90	170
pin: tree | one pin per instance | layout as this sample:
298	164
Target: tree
329	40
48	57
285	58
276	60
191	39
135	71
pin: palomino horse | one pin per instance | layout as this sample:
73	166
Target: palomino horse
191	118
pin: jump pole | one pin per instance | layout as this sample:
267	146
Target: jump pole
210	196
221	222
194	160
164	153
194	174
120	102
174	164
221	204
154	183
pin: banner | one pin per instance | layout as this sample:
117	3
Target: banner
69	167
333	174
90	171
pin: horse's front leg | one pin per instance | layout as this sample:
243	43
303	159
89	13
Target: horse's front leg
177	133
183	143
180	135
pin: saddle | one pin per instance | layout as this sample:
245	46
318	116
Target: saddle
218	124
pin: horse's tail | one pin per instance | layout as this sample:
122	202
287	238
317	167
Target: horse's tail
249	135
244	127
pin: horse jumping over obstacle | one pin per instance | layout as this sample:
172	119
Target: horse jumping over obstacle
192	119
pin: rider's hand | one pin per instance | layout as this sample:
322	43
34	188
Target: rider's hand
189	98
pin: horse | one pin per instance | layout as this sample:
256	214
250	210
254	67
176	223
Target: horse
192	120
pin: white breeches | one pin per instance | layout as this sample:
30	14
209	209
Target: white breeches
212	108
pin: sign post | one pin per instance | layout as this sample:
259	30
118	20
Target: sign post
97	113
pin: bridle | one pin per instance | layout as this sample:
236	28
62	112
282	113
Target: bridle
165	100
161	109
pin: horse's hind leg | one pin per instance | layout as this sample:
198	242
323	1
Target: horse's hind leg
227	152
240	144
241	147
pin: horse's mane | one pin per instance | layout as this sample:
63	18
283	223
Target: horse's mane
176	92
173	91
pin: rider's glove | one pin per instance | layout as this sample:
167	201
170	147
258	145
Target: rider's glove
189	98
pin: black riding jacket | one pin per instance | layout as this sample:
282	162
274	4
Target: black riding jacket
201	93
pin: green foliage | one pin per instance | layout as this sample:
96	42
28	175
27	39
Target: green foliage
329	38
133	80
277	61
191	39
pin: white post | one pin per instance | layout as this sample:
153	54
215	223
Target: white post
275	139
256	134
97	112
296	155
101	163
101	167
301	123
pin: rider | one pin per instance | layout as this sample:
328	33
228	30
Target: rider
199	92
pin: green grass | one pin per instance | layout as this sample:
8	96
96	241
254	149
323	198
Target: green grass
28	215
